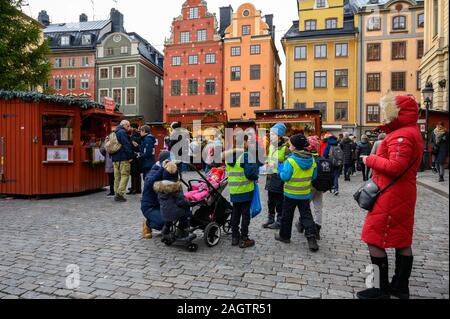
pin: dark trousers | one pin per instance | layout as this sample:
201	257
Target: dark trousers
337	174
136	184
365	171
347	171
306	218
240	211
111	183
275	205
145	171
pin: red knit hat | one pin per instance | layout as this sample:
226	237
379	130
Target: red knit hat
314	143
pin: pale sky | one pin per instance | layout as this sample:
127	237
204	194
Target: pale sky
152	19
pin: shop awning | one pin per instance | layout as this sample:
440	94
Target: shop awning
336	127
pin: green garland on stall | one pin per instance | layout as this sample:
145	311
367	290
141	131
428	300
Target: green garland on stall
39	97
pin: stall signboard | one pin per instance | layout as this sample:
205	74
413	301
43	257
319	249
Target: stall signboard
110	105
57	154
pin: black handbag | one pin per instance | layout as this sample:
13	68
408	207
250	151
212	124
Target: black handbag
367	196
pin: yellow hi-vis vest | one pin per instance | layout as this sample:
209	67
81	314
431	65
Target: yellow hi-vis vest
276	156
300	182
238	183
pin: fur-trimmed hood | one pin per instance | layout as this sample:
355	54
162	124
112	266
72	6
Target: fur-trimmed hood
397	112
167	187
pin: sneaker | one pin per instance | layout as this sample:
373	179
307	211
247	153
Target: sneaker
280	239
434	170
268	224
336	193
275	226
312	244
373	293
119	198
131	193
441	180
110	195
235	241
300	227
246	243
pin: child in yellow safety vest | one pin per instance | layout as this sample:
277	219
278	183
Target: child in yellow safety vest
298	172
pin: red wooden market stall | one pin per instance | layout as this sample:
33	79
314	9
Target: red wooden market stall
50	145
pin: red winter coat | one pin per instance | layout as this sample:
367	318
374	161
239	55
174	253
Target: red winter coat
390	224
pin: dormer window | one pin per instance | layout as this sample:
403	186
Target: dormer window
86	39
399	23
321	4
65	40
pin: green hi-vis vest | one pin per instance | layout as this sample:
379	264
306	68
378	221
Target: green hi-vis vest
276	156
238	183
300	182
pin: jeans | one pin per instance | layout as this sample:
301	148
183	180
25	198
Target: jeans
153	218
121	177
347	171
240	211
306	218
317	203
275	205
337	174
441	169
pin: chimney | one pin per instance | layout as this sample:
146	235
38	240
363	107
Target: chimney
44	18
269	21
226	14
116	21
83	17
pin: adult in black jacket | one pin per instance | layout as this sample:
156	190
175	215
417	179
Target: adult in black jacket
439	143
348	147
136	139
363	148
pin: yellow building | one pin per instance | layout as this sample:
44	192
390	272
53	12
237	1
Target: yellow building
434	67
321	62
251	65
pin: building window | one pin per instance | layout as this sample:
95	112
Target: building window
255	72
398	81
58	63
102	94
374	24
300	53
104	73
373	51
176	88
310	25
57	130
246	30
84	84
331	23
176	61
320	79
235	99
193	59
341	111
419	80
201	35
255	49
373	82
435	17
185	37
341	50
117	72
399	23
192	87
322	106
235	73
210	87
372	113
131	96
300	80
58	84
131	71
72	62
299	105
71	84
85	61
210	58
117	95
255	99
320	51
86	39
124	50
419	49
420	20
321	3
65	40
109	51
399	50
341	78
235	51
193	13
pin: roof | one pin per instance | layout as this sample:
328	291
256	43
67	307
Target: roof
77	27
294	33
360	4
148	51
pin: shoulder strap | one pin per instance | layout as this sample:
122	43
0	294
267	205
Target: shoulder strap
398	177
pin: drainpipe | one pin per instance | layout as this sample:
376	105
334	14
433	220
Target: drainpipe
360	77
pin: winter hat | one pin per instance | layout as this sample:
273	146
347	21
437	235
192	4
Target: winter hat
364	137
170	172
313	143
175	125
299	141
279	129
164	155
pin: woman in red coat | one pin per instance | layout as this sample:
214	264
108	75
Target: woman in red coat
390	223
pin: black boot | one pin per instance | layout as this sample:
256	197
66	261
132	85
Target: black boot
400	282
383	291
318	231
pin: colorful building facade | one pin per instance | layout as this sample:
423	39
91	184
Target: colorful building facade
251	65
322	62
193	72
435	63
391	48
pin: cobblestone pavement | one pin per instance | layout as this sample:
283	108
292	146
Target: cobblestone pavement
39	239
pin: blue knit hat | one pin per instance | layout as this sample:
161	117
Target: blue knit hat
279	129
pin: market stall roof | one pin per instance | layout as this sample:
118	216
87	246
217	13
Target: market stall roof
287	111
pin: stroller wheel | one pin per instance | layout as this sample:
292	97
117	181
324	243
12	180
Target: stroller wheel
212	234
227	227
192	248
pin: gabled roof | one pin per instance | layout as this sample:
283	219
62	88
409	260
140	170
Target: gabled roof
294	33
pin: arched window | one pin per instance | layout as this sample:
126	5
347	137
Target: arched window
399	23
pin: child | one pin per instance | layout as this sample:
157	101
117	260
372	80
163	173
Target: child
242	171
298	172
174	207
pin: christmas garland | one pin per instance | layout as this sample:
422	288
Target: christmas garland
39	97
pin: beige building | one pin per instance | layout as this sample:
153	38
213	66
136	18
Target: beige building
434	66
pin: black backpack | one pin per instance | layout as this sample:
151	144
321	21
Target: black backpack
337	156
325	177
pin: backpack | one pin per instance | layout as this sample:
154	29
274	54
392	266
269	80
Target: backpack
112	145
325	177
337	156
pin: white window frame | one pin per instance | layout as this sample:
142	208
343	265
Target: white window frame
335	49
112	95
126	95
60	86
322	7
59	64
124	49
86	36
186	40
85	59
84	80
65	40
253	51
176	59
121	72
126	71
70	64
194	13
100	73
210	61
202	35
195	59
100	95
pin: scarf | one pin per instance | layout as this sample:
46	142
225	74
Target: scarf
439	133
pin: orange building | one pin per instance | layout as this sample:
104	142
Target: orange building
251	65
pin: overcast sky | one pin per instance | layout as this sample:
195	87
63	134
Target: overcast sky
152	19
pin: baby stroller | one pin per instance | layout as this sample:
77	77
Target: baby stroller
211	215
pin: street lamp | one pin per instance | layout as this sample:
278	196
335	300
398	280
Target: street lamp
427	92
